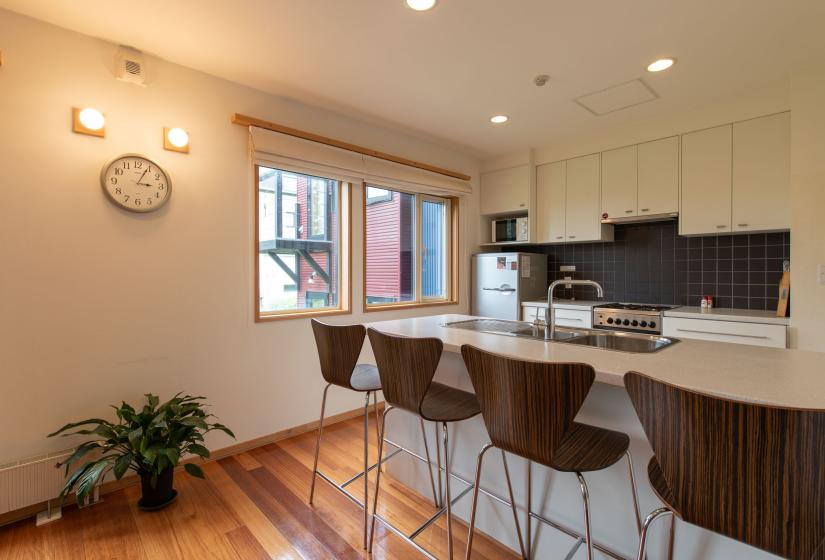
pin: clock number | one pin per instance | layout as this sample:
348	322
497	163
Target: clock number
113	180
160	187
137	202
126	197
118	171
138	164
149	201
157	195
157	176
126	165
118	191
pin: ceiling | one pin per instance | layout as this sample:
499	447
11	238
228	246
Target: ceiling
443	73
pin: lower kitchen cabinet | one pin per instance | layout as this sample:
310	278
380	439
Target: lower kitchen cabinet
754	334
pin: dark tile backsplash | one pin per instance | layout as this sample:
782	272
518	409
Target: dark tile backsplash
650	263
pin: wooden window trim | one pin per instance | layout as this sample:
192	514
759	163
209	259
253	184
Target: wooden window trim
344	241
453	247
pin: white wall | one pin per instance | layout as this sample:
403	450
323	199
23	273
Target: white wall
99	305
801	93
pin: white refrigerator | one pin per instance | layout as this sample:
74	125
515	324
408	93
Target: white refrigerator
502	281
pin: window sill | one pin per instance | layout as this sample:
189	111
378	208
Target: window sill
410	305
266	318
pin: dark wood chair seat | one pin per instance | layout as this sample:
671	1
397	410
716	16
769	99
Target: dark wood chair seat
365	378
659	484
447	404
587	448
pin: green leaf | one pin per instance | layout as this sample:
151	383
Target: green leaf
81	450
86	483
122	465
194	470
196	422
173	454
198	450
223	428
135	437
76	424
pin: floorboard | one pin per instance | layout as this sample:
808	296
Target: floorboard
251	506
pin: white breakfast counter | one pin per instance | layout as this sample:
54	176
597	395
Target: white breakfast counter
779	377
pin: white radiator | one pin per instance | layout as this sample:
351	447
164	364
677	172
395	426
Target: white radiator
30	481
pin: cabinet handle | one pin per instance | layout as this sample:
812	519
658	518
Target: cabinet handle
645	210
760	337
559	237
522	205
721	227
571	237
628	211
742	225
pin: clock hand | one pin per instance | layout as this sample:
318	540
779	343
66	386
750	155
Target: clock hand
142	176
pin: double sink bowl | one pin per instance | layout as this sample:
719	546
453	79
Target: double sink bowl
635	343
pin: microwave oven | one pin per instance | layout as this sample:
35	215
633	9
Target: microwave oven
509	230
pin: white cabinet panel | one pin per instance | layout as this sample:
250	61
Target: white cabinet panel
551	201
505	190
706	181
583	217
658	164
761	173
754	334
619	182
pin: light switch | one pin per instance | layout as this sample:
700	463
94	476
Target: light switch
820	274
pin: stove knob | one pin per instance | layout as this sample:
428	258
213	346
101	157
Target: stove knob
635	323
652	325
643	324
610	320
625	322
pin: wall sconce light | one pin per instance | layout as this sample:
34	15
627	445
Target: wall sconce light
88	121
176	140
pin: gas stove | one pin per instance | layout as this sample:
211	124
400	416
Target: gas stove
630	317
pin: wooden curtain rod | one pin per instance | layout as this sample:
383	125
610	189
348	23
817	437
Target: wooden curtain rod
245	120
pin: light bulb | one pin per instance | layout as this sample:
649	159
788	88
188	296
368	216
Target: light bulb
178	137
91	118
661	64
499	119
421	5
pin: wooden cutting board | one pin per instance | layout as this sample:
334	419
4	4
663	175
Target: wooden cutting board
784	291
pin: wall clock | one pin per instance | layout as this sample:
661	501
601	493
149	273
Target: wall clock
136	183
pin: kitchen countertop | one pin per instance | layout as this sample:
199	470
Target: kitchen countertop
791	378
565	303
722	314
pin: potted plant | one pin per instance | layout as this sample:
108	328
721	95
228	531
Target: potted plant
149	441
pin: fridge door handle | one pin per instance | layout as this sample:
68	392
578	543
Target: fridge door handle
502	289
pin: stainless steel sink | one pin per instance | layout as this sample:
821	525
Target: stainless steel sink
512	328
623	342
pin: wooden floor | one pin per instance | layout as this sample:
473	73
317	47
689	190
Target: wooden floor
252	506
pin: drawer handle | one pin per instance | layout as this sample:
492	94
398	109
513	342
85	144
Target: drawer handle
645	209
742	225
569	319
724	334
571	237
559	237
628	211
721	227
522	205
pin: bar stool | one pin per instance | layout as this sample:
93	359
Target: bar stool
338	350
407	367
529	408
748	471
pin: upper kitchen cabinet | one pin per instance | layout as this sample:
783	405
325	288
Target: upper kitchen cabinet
505	191
761	173
620	182
659	176
567	202
551	201
706	181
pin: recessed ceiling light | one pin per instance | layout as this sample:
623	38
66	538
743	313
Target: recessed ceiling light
421	5
499	119
661	64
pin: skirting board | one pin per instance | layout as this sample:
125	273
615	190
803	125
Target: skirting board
114	485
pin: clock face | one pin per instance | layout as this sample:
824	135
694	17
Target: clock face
136	183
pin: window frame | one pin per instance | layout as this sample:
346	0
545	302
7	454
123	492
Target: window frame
451	252
344	265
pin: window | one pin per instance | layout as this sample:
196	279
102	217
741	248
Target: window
301	221
408	240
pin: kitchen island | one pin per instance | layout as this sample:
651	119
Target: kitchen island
789	378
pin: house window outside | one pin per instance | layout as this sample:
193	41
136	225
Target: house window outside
408	248
299	249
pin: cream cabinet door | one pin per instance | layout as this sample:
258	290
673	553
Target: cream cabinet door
551	202
706	182
583	217
505	190
761	173
658	163
619	182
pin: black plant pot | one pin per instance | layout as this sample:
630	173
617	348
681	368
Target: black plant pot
161	495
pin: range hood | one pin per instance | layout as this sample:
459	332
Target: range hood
642	218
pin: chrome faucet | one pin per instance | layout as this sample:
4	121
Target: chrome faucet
551	289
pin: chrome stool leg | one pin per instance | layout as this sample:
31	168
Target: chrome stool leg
586	501
377	479
366	463
512	502
635	493
652	516
449	496
436	501
318	444
529	542
438	462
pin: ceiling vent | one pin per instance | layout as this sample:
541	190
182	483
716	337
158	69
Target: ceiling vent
130	66
615	98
